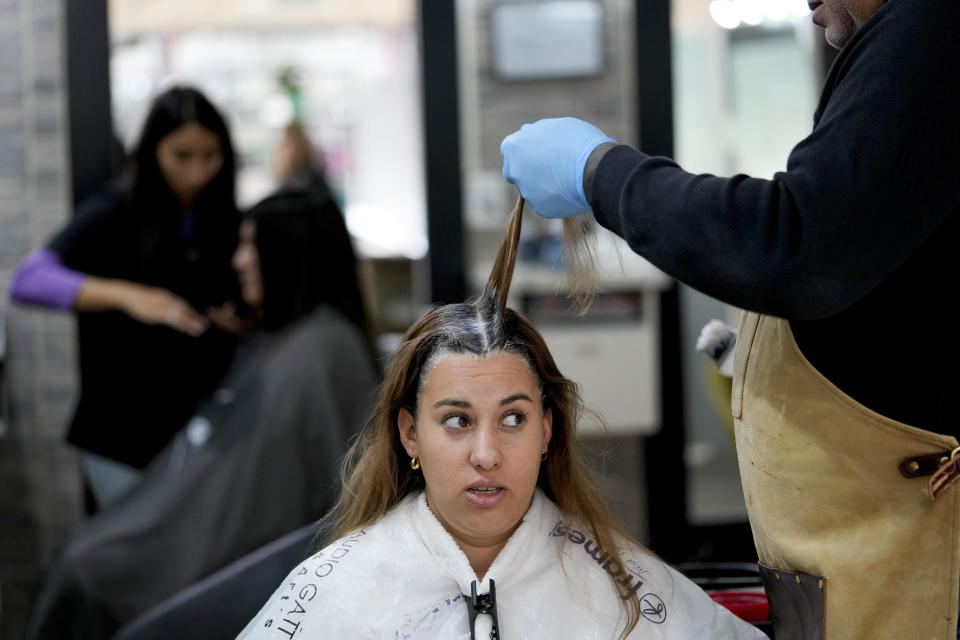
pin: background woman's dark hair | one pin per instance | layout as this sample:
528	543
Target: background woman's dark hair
198	266
171	110
306	259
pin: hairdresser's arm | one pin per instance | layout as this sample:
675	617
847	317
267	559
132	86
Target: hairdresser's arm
42	279
146	304
873	182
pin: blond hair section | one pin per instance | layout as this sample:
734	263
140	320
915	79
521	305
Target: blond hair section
580	265
375	473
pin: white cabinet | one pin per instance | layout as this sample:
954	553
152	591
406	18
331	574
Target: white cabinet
616	365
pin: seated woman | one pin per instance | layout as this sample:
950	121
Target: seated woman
467	510
260	456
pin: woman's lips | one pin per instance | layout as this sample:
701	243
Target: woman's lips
486	496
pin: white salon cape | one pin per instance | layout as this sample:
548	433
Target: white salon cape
405	577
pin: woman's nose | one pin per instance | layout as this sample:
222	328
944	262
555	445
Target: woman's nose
200	174
485	453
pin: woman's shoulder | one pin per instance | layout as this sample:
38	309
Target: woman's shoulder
316	590
366	551
671	606
322	328
98	231
629	565
336	587
318	347
107	203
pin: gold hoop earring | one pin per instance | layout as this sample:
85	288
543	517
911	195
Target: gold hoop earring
543	458
414	463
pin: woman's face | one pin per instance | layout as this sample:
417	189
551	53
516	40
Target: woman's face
190	157
479	435
246	262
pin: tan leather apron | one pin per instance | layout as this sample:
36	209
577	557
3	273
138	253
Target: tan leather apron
827	492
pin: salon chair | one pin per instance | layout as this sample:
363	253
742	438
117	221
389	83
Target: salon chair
221	605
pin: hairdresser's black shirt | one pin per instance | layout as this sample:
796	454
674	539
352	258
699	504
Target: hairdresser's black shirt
856	242
140	383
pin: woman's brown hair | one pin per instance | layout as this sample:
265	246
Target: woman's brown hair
375	473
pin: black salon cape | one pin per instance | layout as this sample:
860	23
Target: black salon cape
139	383
280	423
855	243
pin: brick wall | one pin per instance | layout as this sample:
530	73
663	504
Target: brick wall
39	488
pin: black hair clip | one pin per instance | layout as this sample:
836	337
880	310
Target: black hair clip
487	603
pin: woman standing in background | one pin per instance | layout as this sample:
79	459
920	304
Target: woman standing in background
140	263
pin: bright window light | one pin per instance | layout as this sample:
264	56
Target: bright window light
725	13
731	14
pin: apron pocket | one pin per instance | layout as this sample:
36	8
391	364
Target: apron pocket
796	603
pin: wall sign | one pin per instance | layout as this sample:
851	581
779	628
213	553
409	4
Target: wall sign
547	39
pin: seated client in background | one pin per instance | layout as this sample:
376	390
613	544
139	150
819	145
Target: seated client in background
467	510
260	456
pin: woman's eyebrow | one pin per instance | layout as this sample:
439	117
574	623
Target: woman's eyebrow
463	404
515	397
450	402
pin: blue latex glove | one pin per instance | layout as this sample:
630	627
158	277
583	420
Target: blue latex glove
546	160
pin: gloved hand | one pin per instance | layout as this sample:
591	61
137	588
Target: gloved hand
546	160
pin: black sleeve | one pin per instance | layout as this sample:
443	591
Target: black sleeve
877	176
